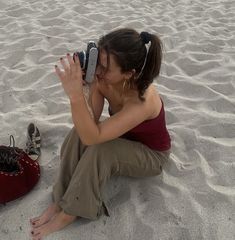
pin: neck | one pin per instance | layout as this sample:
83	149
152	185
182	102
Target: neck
124	91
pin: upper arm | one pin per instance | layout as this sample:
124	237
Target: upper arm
129	117
96	101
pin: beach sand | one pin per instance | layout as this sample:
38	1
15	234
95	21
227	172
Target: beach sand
194	198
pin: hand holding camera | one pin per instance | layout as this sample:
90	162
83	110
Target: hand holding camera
72	74
79	68
88	61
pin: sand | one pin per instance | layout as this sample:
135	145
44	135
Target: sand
194	198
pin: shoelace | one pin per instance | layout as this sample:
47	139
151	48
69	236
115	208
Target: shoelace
32	145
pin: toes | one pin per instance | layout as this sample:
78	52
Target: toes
38	237
33	220
36	224
35	232
33	223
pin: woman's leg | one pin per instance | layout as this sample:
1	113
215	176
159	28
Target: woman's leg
71	152
97	164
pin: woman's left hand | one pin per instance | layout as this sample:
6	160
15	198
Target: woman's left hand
71	77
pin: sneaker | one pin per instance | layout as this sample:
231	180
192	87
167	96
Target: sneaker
33	144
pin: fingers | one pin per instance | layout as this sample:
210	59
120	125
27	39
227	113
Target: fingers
70	60
62	72
69	67
59	72
64	64
77	61
76	64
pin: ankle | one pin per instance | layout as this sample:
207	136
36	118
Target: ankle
66	217
56	207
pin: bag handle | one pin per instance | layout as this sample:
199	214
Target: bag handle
12	144
12	140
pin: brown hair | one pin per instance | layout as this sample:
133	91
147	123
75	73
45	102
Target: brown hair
129	50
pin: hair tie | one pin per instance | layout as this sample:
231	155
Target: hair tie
146	37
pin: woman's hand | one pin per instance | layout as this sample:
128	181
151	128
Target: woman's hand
71	77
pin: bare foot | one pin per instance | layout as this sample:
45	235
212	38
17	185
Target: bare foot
46	216
59	221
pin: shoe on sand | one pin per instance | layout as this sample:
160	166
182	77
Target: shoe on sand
33	144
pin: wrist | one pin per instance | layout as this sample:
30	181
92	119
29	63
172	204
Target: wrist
76	99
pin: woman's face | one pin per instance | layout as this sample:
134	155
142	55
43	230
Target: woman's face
109	74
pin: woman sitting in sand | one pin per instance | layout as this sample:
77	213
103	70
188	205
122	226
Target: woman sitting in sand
133	141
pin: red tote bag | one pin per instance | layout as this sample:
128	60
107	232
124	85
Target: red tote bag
18	173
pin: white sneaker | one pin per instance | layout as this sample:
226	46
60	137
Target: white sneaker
33	144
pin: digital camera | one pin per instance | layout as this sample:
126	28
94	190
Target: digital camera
88	60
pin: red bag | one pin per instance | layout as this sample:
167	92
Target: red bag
18	172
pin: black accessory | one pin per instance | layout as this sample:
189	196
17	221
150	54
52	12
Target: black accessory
146	37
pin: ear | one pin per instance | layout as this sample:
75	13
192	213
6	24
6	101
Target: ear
130	74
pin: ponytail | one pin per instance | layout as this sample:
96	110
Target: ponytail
152	64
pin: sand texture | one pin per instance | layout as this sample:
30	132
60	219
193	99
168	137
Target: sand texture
194	198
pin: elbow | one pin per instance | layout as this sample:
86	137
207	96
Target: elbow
88	138
89	141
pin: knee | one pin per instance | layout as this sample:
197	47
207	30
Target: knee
106	148
96	152
100	154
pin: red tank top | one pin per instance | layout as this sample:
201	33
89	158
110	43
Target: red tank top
152	133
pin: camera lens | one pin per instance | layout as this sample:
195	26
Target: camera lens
82	58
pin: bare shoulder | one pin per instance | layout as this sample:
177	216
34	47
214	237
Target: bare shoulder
153	101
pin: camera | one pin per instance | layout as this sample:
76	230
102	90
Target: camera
88	61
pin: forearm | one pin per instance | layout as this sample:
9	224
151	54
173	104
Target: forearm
84	123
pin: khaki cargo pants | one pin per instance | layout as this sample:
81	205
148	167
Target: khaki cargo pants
84	170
